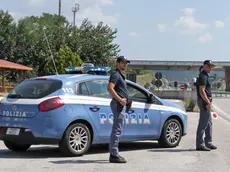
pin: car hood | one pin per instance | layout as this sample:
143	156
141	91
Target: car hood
170	104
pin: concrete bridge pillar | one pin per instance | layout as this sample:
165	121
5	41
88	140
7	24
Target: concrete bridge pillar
227	78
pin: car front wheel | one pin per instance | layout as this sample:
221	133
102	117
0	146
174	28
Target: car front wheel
76	140
171	134
16	147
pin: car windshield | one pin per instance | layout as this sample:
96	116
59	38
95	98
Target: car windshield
35	89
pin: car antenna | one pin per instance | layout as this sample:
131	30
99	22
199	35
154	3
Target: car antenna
50	50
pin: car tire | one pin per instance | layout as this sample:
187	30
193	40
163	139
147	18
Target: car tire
68	145
171	134
16	147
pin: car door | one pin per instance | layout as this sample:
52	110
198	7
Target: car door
144	122
96	100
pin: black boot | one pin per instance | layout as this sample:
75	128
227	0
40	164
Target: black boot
116	159
212	147
202	148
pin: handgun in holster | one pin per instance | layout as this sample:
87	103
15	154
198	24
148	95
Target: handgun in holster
128	107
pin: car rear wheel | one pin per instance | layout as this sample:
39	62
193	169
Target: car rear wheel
16	147
76	140
171	134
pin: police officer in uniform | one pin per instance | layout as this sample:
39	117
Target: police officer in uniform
118	89
204	100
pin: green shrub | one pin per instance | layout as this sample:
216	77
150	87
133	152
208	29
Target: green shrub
191	106
187	104
196	109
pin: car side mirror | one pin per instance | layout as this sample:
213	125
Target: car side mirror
152	98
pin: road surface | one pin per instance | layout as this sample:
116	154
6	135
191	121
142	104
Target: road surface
141	156
222	107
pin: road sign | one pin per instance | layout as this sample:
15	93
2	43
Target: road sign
175	84
158	75
158	83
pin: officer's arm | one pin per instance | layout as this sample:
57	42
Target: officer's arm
202	85
112	82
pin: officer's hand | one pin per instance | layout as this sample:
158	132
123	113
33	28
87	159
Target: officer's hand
209	106
123	101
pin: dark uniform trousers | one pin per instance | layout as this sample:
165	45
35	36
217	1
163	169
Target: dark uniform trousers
204	126
118	121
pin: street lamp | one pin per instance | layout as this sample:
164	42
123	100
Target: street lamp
74	10
59	8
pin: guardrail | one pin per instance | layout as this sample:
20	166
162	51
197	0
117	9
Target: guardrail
176	94
220	94
186	94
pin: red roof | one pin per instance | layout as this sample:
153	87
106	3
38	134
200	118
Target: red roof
10	65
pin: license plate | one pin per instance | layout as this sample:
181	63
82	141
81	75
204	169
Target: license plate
13	131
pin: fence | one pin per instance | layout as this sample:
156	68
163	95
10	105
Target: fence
6	90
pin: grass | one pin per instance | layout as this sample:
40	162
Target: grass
143	79
3	94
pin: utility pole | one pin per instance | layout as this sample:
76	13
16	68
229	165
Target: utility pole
74	10
59	11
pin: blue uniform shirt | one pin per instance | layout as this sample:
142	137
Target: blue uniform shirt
203	80
120	84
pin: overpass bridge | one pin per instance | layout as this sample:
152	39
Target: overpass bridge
181	65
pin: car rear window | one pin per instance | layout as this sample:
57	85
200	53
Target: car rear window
35	89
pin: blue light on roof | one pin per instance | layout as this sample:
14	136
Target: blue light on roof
89	69
106	69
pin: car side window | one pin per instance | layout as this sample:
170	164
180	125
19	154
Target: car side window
83	89
95	88
136	94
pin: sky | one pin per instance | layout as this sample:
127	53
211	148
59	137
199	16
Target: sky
149	29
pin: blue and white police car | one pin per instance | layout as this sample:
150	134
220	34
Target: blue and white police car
73	111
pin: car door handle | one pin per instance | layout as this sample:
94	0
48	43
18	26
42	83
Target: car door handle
94	108
130	111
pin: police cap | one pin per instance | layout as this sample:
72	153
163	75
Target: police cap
209	62
122	59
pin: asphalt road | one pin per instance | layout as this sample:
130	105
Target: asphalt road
222	107
141	156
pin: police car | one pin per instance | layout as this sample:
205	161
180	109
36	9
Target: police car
73	111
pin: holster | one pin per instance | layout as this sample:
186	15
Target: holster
128	106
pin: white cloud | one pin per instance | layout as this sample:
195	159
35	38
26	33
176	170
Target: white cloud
207	37
91	9
35	3
162	27
94	13
107	2
188	23
219	24
133	34
16	15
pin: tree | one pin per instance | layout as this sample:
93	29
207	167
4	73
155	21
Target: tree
33	34
32	41
94	44
7	35
63	59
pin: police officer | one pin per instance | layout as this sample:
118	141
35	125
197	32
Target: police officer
204	100
118	89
